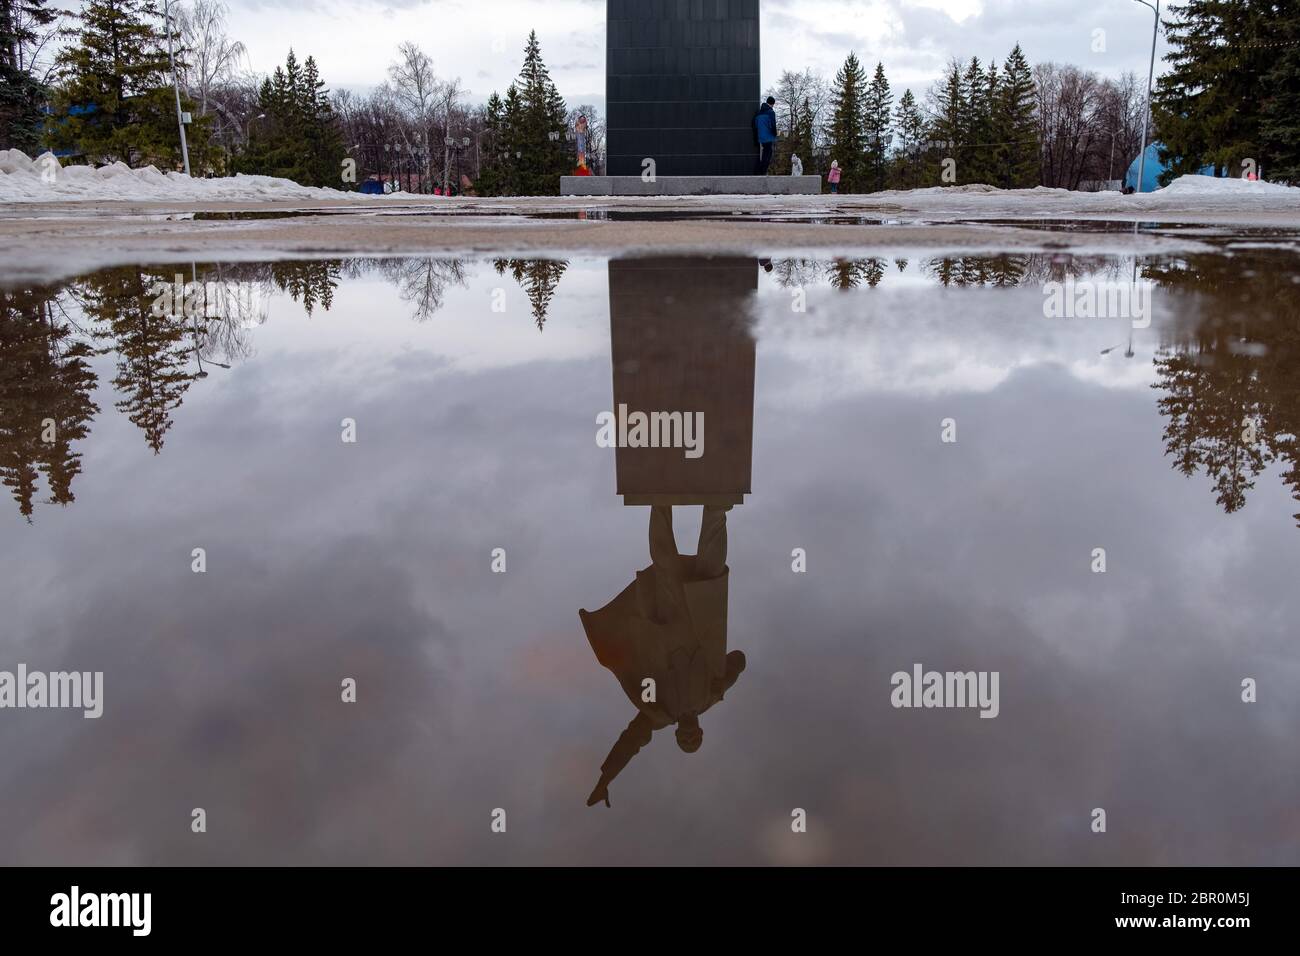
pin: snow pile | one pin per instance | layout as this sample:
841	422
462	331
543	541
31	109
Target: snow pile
44	180
1185	192
1210	186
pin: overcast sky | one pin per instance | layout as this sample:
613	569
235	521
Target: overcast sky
481	40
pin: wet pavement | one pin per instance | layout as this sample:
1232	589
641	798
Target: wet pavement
920	464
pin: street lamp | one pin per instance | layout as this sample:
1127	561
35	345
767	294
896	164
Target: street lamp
176	86
1146	114
248	128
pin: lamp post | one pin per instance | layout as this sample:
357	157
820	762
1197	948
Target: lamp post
248	128
176	86
1146	114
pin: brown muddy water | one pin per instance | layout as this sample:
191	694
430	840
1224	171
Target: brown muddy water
394	472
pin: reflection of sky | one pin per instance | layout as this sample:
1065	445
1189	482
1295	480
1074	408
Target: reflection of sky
478	691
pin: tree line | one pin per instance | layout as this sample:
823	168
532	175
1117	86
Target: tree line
1008	125
1229	98
106	96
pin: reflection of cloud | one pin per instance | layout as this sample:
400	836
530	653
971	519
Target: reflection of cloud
223	692
477	690
908	340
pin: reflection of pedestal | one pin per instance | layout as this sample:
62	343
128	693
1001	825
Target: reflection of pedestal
681	343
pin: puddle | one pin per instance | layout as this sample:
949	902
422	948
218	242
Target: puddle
440	559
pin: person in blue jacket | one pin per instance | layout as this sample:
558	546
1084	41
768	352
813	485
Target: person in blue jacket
765	127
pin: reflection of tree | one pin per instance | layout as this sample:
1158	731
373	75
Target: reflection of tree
1236	366
153	352
311	283
43	375
1211	399
1022	269
538	278
850	273
793	273
424	282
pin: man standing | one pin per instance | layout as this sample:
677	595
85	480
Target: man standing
765	126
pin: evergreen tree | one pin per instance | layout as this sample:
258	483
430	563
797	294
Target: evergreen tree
991	159
1016	125
114	99
848	136
973	126
876	127
22	96
300	137
1280	109
910	126
492	176
950	120
1209	105
532	142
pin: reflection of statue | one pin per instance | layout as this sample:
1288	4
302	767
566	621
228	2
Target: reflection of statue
680	346
665	638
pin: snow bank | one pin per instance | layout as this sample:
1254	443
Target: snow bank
23	180
44	180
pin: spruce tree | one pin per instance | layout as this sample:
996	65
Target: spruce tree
492	172
950	120
877	120
1208	105
300	137
1280	106
991	153
848	130
910	126
1017	125
973	126
22	96
114	98
530	144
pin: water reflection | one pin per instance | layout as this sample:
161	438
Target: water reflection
45	397
538	278
1227	372
1231	380
681	349
481	690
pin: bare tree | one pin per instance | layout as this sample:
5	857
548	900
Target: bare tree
417	89
211	57
35	53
